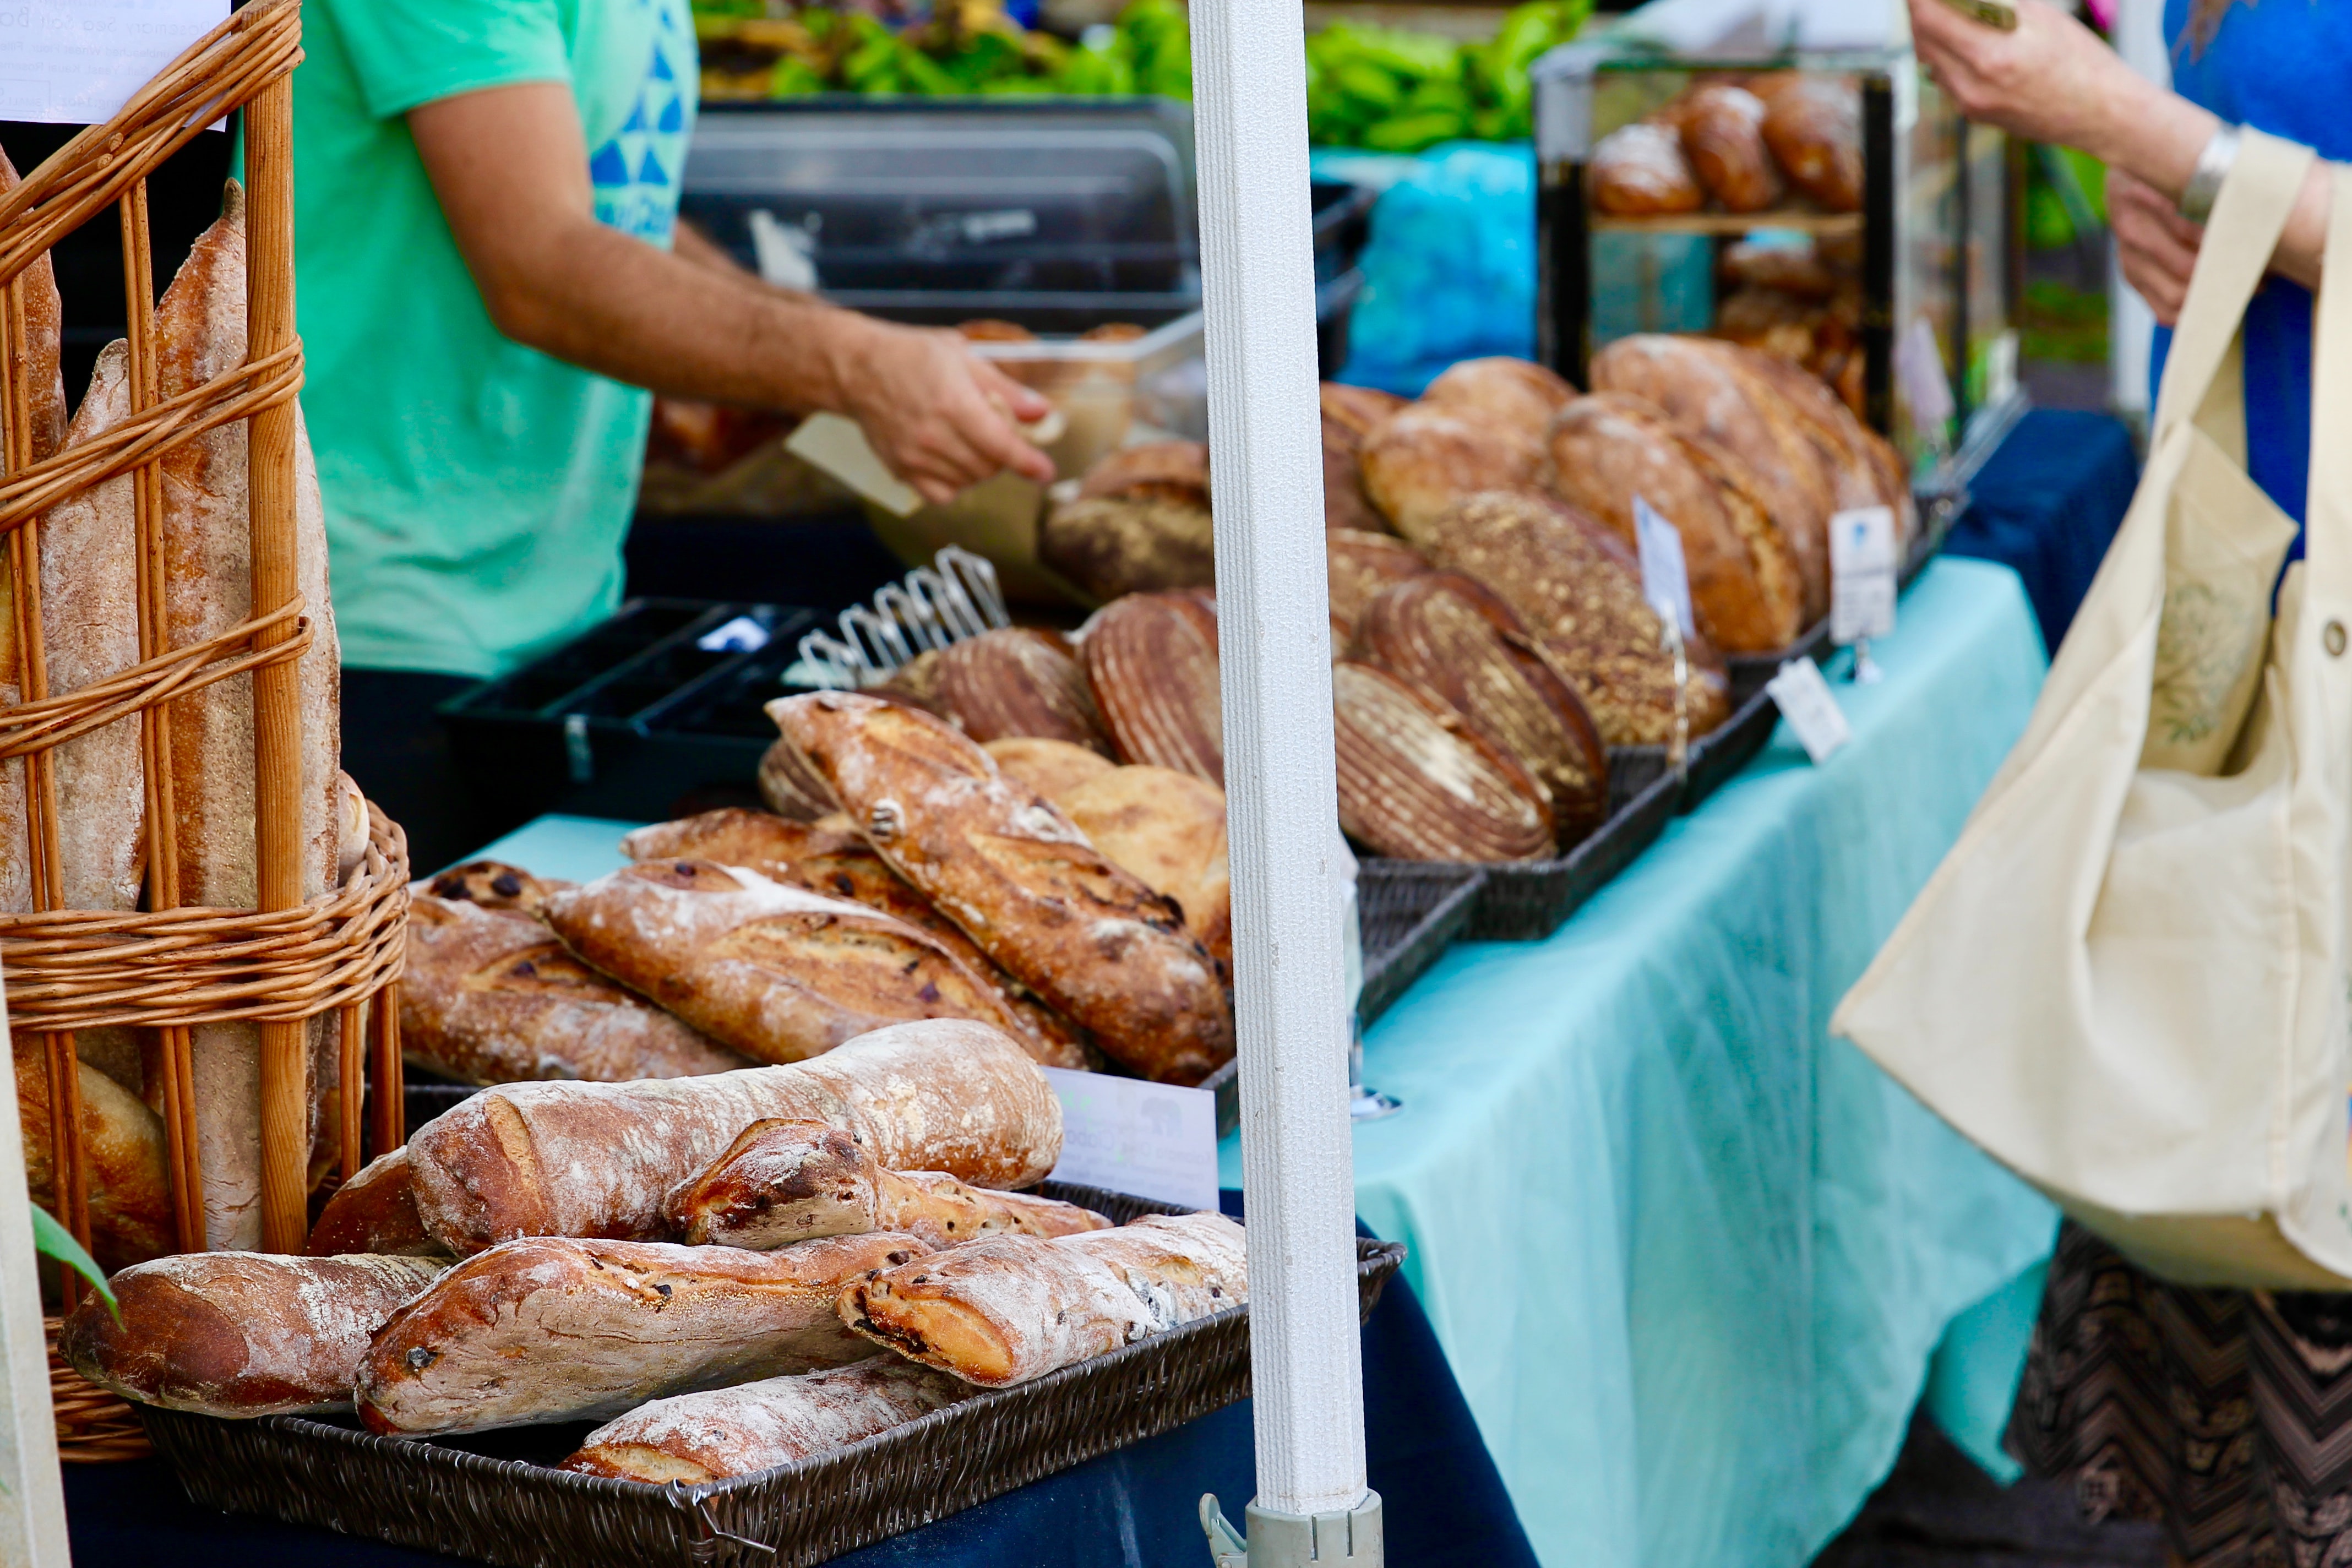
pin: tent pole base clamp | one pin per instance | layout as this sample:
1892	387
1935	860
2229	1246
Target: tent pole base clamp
1349	1539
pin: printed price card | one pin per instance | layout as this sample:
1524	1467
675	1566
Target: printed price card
1862	573
1666	580
75	62
1812	711
1149	1139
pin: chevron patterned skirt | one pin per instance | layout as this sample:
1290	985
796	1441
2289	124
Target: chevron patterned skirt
2226	1415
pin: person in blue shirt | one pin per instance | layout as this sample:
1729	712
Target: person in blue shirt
2226	1415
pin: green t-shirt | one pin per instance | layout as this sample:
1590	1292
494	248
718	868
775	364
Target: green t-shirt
477	491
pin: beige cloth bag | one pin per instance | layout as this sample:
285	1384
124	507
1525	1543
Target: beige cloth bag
2128	979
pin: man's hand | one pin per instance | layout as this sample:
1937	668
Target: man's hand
509	165
2156	245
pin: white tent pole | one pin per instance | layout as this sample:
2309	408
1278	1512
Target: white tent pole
1257	265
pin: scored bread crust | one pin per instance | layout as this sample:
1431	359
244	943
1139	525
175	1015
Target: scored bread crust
241	1333
739	1431
1418	783
1017	681
1095	941
1004	1310
1151	661
556	1329
1360	567
374	1212
495	885
600	1160
491	996
1426	457
776	971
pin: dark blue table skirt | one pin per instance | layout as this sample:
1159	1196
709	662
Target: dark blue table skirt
2048	502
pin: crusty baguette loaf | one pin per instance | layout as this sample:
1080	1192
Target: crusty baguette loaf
782	1181
554	1328
736	836
588	1159
374	1212
241	1333
1168	829
1099	945
122	1155
495	885
723	1432
1004	1310
777	971
1047	768
489	996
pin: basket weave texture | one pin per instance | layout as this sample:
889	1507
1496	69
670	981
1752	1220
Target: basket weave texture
94	1427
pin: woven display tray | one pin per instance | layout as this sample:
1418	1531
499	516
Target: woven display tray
95	1427
493	1498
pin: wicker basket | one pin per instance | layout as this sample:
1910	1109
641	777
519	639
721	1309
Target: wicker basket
495	1498
94	1427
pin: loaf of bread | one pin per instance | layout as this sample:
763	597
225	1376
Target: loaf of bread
1168	830
1710	391
1417	781
1640	171
490	996
241	1333
1609	448
790	788
1360	566
1139	523
1047	768
754	1427
556	1329
1008	1309
495	885
1019	681
1813	126
123	1157
830	857
1347	412
1516	392
374	1212
1099	945
1151	661
592	1159
1865	467
45	380
773	971
1722	137
1578	589
1426	457
784	1182
1456	638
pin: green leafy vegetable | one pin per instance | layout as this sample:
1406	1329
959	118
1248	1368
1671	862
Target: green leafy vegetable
51	1239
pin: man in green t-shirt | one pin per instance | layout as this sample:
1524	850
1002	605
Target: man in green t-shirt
489	276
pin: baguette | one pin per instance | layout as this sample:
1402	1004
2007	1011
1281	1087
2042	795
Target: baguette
777	971
552	1328
600	1160
374	1212
723	1432
1097	944
495	885
782	1181
1012	1308
122	1156
490	996
240	1333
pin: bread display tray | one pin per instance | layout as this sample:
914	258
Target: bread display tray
496	1500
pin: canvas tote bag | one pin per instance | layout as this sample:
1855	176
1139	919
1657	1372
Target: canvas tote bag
2128	979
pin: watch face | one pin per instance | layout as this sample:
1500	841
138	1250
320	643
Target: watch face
1998	13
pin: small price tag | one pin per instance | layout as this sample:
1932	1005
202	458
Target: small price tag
1812	711
1666	580
1149	1139
1862	573
75	62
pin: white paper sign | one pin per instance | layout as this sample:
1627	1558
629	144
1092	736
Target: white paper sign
1147	1140
75	62
1666	580
1812	711
1919	370
1862	573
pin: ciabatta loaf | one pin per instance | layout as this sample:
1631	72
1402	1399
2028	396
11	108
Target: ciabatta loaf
589	1159
552	1328
776	971
489	996
755	1426
374	1212
241	1333
784	1182
1004	1310
1096	943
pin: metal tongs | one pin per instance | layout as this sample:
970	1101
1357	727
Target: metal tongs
953	599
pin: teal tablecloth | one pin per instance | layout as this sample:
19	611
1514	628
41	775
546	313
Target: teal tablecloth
1691	1260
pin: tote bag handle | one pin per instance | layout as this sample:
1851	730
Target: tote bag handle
2327	507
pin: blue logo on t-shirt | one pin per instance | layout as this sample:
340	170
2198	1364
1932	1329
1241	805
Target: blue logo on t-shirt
636	172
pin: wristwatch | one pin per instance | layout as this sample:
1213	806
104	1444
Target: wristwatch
2197	197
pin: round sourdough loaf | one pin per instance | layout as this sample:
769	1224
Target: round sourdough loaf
1426	457
1151	659
1361	565
1417	783
1458	639
1019	681
1348	413
1047	768
1516	392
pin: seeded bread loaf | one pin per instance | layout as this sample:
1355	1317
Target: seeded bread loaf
1099	945
754	1427
556	1329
